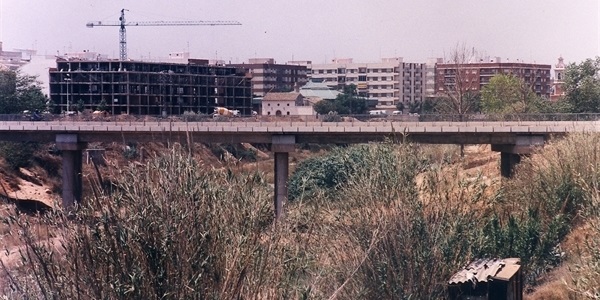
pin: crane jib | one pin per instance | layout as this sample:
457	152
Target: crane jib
123	24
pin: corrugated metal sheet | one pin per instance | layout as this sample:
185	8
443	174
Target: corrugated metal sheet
483	270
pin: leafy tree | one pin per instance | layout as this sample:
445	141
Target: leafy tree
508	94
80	105
348	102
19	92
582	86
102	106
429	106
414	107
325	106
400	106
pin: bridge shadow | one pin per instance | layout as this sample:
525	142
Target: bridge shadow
27	206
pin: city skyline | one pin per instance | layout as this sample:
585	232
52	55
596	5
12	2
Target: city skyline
535	31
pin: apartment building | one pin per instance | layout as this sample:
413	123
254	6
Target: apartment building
474	76
268	76
389	81
12	60
146	88
430	65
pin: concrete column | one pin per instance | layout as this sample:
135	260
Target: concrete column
72	156
281	146
508	161
71	177
281	178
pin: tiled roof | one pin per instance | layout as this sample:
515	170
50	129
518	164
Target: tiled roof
281	96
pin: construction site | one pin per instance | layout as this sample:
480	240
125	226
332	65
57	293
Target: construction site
148	88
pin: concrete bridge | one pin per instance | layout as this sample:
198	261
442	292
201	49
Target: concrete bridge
511	138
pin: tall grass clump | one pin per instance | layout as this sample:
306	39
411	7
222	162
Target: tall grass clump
584	277
404	221
543	203
170	231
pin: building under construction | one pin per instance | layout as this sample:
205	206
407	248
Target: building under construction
148	88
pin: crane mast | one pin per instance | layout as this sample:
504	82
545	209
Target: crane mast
122	37
122	24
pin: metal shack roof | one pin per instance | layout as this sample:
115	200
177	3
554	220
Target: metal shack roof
483	270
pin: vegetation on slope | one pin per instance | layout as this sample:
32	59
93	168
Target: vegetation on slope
399	222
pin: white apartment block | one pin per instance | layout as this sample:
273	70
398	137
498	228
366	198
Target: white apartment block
389	81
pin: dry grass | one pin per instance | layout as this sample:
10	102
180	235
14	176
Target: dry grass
398	229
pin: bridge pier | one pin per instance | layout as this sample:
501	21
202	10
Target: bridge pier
510	154
72	155
508	162
281	146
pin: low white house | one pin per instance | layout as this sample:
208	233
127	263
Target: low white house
285	104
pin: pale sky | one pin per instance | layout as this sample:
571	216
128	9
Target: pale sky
317	30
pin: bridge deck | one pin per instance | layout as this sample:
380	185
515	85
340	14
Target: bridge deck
321	132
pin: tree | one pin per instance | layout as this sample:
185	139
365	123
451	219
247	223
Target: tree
582	86
80	105
458	86
414	107
508	94
19	92
400	106
101	106
348	102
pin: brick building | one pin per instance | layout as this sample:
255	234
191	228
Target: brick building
474	76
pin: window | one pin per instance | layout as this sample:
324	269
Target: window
287	113
362	78
288	104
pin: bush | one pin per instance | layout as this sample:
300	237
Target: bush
237	151
130	151
18	154
331	117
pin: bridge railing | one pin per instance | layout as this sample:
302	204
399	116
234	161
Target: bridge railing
324	120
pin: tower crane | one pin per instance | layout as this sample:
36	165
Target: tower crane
123	24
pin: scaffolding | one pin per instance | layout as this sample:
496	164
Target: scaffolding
148	88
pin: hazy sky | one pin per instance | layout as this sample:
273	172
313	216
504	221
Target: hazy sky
317	30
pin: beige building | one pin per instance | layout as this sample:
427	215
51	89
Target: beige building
268	76
389	81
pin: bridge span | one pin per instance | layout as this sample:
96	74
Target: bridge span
511	138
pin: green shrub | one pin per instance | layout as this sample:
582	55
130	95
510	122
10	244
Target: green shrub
18	154
130	151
